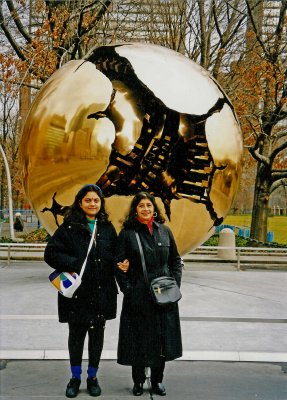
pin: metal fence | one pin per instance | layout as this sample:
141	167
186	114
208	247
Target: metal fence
242	255
26	215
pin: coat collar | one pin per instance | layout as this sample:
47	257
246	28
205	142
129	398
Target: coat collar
139	226
79	225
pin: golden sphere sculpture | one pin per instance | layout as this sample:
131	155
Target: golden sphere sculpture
134	117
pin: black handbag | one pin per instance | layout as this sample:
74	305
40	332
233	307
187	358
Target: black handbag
164	289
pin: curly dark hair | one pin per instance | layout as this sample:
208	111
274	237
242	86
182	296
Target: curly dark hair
131	219
75	212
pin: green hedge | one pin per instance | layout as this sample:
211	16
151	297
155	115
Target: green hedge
38	236
5	240
242	242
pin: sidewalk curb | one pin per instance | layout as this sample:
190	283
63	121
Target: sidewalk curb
235	356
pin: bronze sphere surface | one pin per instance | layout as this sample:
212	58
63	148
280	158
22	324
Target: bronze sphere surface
134	117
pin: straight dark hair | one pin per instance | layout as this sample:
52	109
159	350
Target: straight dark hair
75	212
131	219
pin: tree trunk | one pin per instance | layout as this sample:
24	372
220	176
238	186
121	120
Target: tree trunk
260	209
2	192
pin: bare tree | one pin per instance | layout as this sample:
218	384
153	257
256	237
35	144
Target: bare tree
46	34
230	38
269	148
210	32
259	83
235	41
215	35
36	38
9	120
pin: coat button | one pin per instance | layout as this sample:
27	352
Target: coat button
76	297
159	243
100	287
99	259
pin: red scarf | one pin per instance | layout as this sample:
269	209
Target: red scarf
148	223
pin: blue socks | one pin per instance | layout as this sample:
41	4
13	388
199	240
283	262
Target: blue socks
92	372
76	371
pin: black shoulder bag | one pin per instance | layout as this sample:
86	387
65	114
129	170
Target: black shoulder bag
164	289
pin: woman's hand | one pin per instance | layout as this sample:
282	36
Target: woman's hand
124	265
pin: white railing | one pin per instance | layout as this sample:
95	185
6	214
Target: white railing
267	252
9	250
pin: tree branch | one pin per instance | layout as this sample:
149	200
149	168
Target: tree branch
8	35
255	153
225	38
202	18
278	149
259	157
255	30
216	20
24	84
281	135
279	170
16	18
98	16
279	31
278	183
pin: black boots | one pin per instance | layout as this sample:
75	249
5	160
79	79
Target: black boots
158	388
138	389
93	387
73	388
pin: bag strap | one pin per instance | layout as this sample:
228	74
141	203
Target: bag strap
142	258
89	249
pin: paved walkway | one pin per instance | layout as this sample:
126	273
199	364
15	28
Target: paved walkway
226	315
184	380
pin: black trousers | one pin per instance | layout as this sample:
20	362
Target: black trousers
77	335
138	373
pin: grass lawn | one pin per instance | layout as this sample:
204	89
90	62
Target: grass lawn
277	224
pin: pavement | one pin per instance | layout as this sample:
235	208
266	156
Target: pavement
234	330
184	380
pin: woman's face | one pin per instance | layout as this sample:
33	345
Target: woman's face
91	204
145	210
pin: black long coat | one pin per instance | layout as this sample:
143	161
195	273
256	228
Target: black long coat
147	331
97	295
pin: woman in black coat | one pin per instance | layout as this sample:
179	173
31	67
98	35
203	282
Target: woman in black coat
95	300
149	335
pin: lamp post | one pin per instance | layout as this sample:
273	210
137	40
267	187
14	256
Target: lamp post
10	204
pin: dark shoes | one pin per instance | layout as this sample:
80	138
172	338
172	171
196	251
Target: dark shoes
93	387
138	389
73	388
158	388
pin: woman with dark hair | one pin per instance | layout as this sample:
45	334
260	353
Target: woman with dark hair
149	335
95	300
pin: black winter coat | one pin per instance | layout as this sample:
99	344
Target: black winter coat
147	331
97	295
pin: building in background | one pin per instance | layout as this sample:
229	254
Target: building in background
161	22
